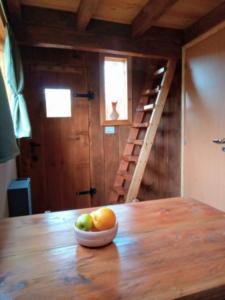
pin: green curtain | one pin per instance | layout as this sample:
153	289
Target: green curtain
8	146
15	79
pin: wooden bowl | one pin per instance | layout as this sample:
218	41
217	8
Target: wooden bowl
94	239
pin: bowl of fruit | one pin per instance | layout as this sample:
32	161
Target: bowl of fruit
96	229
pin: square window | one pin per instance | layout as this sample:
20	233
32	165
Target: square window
58	103
115	85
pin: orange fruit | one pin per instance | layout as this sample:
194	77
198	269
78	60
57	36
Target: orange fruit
104	218
92	215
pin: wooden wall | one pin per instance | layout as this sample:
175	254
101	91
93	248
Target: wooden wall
162	177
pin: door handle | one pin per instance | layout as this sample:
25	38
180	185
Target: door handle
92	192
33	153
219	141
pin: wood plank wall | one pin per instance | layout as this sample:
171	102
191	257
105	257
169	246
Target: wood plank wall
162	177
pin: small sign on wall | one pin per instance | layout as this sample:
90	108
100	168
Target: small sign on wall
109	129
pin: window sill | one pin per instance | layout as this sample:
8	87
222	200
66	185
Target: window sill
115	122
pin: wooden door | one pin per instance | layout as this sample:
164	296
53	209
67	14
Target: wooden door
57	157
204	120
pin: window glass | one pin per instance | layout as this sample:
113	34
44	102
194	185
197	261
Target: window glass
116	88
58	103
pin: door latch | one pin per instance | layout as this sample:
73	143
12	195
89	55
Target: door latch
90	95
92	192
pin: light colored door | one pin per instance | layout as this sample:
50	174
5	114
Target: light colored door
204	120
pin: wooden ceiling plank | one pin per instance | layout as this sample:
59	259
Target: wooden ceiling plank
185	13
14	10
153	10
208	21
119	11
86	11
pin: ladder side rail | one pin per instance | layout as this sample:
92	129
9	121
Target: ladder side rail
151	132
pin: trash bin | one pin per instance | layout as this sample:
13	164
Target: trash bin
19	197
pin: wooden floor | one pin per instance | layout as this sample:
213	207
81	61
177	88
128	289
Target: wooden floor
165	249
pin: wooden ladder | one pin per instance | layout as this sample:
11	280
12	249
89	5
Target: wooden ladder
128	179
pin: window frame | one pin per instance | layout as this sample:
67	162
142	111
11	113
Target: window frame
103	120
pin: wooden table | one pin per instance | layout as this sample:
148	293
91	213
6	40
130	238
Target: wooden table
165	249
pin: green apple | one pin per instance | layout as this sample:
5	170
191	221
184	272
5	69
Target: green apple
84	222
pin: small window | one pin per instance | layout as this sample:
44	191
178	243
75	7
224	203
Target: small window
115	86
58	103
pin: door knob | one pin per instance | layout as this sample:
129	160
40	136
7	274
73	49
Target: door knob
219	141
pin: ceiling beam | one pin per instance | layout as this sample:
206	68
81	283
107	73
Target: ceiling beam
151	46
86	11
213	18
51	28
14	11
152	11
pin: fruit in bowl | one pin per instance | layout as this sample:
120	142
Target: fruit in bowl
103	218
96	229
84	222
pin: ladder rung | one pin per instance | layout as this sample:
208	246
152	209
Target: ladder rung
149	107
145	108
130	158
140	125
120	190
136	142
160	71
152	92
126	175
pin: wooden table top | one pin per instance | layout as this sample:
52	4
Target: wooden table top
165	249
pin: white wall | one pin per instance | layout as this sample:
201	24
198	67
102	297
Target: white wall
7	173
203	118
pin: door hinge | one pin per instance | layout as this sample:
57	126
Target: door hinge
92	192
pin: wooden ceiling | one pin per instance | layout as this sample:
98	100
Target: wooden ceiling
145	28
186	12
180	15
119	11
